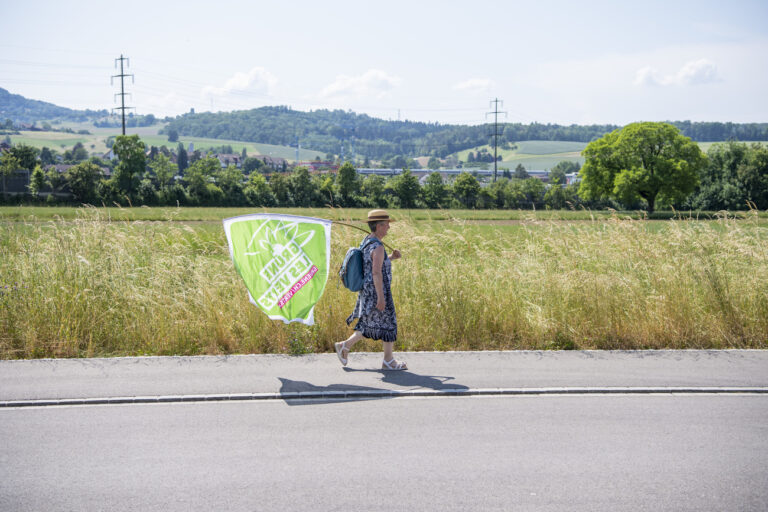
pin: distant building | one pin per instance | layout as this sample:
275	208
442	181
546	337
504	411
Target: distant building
317	165
227	159
572	177
276	163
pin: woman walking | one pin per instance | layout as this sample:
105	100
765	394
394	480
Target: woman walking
375	309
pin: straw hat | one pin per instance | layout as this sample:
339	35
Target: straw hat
377	215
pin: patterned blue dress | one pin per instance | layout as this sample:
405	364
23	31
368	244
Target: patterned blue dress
372	323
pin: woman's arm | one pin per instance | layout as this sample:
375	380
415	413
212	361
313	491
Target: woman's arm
377	263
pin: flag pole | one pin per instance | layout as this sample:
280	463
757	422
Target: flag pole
361	229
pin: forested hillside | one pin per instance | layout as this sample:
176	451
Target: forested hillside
19	109
328	131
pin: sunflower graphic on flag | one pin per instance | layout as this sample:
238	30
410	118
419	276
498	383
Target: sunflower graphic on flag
284	261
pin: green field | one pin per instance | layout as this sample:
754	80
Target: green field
59	141
544	154
533	154
96	142
85	283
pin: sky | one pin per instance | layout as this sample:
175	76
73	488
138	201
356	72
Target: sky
564	62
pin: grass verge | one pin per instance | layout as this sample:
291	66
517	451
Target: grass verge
90	287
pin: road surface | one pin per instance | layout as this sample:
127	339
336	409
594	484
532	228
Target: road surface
659	449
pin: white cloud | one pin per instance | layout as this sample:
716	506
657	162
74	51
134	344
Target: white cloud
257	81
475	85
374	83
696	72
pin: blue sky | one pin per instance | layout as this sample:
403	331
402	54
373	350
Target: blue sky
438	61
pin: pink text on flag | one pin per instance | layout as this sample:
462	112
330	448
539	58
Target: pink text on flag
296	287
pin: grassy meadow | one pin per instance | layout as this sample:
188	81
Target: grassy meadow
534	154
545	154
86	282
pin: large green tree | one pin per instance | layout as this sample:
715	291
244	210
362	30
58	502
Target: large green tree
301	188
466	189
373	189
348	183
558	197
434	190
82	180
230	181
164	170
131	166
642	160
26	155
198	178
534	190
406	187
77	154
251	164
736	175
181	158
257	191
36	181
753	176
278	183
47	156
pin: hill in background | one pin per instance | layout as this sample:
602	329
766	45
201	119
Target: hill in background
348	134
19	109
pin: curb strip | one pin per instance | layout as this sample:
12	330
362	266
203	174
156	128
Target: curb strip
382	393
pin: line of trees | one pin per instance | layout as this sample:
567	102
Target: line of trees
139	179
642	166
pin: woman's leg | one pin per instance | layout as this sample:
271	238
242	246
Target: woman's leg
350	342
343	347
388	347
389	356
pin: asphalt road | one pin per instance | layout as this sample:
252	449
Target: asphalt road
551	453
658	451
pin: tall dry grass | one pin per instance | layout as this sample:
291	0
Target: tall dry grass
94	288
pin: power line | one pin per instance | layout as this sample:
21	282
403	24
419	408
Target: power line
122	92
495	113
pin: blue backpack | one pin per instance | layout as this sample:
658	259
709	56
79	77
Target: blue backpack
352	271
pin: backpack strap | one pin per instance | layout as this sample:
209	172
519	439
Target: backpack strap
367	241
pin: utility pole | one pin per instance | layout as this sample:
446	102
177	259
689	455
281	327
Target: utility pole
495	113
122	92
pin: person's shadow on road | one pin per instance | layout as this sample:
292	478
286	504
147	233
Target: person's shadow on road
404	378
408	379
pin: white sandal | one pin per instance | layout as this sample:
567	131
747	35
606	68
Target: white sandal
340	348
394	365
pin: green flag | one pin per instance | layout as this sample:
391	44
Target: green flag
284	261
